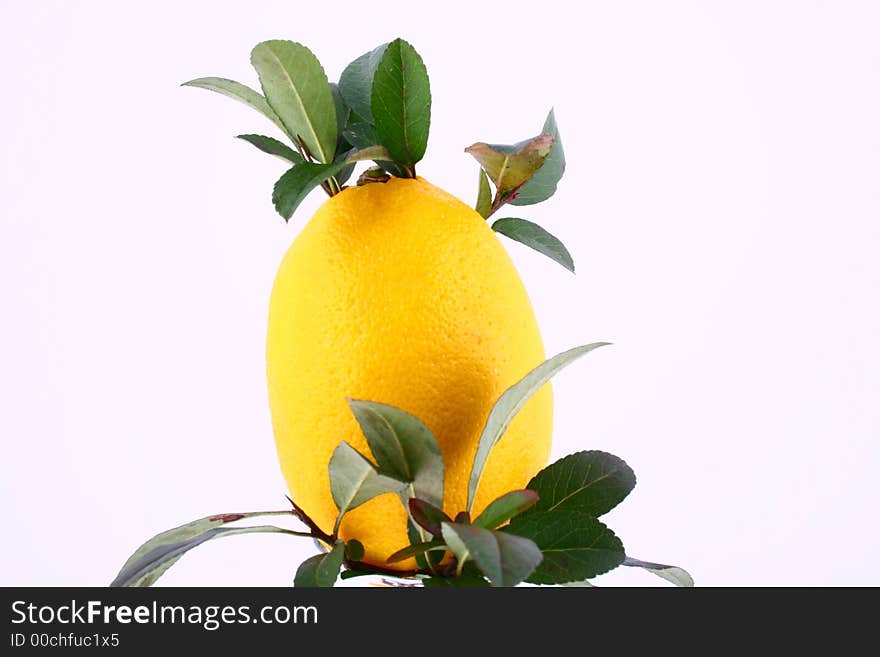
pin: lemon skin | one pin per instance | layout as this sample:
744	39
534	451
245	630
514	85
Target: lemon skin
400	293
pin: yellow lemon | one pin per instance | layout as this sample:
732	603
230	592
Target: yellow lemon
399	293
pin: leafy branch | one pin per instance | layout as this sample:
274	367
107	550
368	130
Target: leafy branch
511	167
547	533
523	174
380	110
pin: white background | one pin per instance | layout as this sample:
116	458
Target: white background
721	202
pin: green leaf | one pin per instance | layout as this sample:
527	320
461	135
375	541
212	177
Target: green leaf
239	92
575	545
356	83
542	185
368	153
297	182
343	147
359	133
678	576
484	196
592	482
343	111
344	174
362	136
351	573
403	446
296	87
463	581
354	480
162	551
273	147
321	570
506	507
401	104
509	167
505	559
532	235
416	549
427	515
510	403
354	549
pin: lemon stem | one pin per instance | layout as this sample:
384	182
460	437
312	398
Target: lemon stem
334	185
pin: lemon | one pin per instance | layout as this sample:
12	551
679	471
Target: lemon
399	293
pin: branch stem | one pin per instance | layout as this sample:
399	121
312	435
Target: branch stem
330	539
314	530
